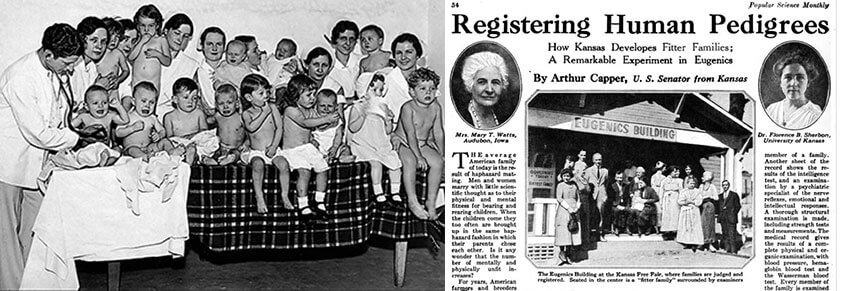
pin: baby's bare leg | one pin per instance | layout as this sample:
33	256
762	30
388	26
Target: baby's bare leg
435	173
135	152
302	182
375	178
409	181
257	165
284	180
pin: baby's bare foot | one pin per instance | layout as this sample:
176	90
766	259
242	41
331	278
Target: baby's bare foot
228	159
262	206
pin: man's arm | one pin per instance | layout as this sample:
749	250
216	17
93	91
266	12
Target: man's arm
18	94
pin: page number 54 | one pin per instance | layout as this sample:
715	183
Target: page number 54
455	5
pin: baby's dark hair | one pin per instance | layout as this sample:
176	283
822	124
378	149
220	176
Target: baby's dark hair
90	24
374	28
146	85
342	26
177	20
795	57
252	83
421	75
297	84
407	37
245	38
113	27
95	88
290	41
184	85
376	78
149	11
62	40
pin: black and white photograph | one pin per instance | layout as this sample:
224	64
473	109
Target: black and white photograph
486	85
794	85
640	179
222	145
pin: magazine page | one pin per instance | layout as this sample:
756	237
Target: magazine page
641	144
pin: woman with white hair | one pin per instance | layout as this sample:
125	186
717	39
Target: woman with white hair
485	77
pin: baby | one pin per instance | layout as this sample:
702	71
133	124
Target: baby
185	125
297	149
263	124
418	118
114	61
370	125
155	49
284	64
142	135
372	38
98	114
329	137
235	69
230	126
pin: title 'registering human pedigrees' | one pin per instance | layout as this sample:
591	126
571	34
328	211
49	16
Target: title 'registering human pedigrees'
619	24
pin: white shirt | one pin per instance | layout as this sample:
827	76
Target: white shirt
343	76
181	66
205	78
84	75
32	117
801	118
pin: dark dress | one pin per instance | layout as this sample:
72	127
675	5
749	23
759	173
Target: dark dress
709	194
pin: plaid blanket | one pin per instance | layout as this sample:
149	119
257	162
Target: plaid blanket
222	211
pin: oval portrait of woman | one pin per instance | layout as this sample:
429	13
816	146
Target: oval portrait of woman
485	85
794	85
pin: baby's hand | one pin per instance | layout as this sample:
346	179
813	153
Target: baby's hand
290	67
422	164
270	152
395	142
154	135
331	118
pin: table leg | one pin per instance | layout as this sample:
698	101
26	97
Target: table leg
114	276
400	256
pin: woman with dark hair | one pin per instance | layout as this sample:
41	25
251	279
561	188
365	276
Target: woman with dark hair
94	35
669	197
178	31
643	207
568	204
212	44
795	72
689	175
407	50
318	64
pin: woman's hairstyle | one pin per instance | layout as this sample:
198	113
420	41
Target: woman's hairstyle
317	52
127	24
407	37
481	60
342	26
672	169
707	176
694	181
564	171
252	83
89	24
149	11
795	57
178	20
62	40
210	29
297	84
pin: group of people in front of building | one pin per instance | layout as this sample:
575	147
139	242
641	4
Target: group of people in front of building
592	203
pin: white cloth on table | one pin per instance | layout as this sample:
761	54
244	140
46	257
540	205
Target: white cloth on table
89	156
32	117
83	217
137	177
206	141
